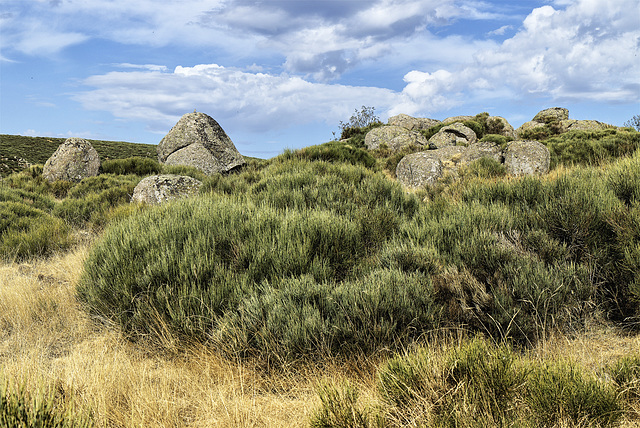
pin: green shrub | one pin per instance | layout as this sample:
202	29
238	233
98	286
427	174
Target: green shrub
339	408
27	232
341	188
31	180
184	170
93	198
484	168
623	178
626	374
476	382
19	408
136	165
591	147
33	199
302	317
100	183
561	392
497	138
336	151
213	252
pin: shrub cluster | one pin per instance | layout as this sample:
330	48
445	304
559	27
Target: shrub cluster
27	229
18	408
302	258
591	147
477	384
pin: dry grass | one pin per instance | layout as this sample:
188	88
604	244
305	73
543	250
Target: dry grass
47	341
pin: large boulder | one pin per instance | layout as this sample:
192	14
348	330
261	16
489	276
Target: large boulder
201	130
483	149
527	158
455	134
394	137
454	119
425	168
554	114
583	125
419	170
412	123
157	189
74	160
197	156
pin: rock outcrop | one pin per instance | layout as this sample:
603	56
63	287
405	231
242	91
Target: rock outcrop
412	123
157	189
419	170
454	119
483	149
394	137
527	158
455	134
74	160
199	133
554	114
425	168
559	118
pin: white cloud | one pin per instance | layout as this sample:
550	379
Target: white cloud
581	53
331	36
500	31
253	102
588	52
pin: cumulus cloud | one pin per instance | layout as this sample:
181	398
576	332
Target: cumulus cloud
243	100
587	52
333	36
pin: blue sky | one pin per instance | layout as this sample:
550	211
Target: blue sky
282	74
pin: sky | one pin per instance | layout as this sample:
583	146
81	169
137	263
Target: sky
282	74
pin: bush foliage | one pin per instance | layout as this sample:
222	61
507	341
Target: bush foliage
475	384
20	408
266	262
316	252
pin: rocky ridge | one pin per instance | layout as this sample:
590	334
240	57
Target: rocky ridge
455	144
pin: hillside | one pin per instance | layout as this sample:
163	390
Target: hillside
18	152
312	289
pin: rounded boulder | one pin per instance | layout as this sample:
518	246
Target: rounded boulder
527	158
201	129
74	160
157	189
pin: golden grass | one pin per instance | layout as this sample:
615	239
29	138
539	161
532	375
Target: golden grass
47	341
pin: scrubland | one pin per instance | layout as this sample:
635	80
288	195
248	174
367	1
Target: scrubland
311	290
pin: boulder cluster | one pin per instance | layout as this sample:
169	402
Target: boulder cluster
197	140
456	145
559	117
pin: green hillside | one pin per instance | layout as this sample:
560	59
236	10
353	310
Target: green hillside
18	152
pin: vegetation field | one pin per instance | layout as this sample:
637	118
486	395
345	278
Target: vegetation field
312	290
18	152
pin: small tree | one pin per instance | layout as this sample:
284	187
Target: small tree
634	122
360	119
